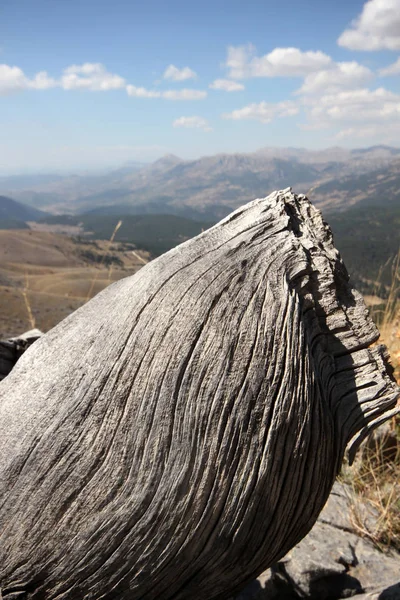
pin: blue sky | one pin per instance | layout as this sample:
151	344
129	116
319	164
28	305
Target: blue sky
86	84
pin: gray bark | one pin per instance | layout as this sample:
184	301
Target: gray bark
178	434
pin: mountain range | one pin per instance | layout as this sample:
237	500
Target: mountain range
210	187
15	215
163	203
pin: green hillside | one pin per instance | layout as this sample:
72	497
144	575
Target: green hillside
368	240
368	237
155	233
12	224
11	210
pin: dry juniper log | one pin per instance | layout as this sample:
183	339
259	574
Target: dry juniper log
181	432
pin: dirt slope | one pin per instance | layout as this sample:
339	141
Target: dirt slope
46	276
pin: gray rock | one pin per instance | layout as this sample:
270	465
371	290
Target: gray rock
11	350
390	593
28	337
332	561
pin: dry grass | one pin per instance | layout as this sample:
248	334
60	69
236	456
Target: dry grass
93	282
25	296
45	276
387	315
375	476
375	480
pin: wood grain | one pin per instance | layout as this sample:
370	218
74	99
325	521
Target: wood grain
180	432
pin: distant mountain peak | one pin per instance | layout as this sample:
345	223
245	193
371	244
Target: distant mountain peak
224	179
168	159
377	148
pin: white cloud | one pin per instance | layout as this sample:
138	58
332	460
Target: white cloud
355	108
371	135
264	112
13	79
227	85
242	62
185	94
193	123
84	69
393	69
368	131
376	28
42	81
141	92
372	116
311	126
175	74
343	75
90	76
238	60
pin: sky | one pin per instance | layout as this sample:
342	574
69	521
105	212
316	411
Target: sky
88	84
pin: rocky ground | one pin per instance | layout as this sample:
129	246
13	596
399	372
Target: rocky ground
333	561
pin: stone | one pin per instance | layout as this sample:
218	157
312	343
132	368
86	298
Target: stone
390	593
11	350
332	561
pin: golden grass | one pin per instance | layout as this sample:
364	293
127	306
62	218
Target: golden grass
375	475
45	276
25	296
375	481
94	279
386	316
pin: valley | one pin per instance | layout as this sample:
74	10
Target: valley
46	276
55	251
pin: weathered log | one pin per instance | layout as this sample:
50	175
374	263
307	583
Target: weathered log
181	432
